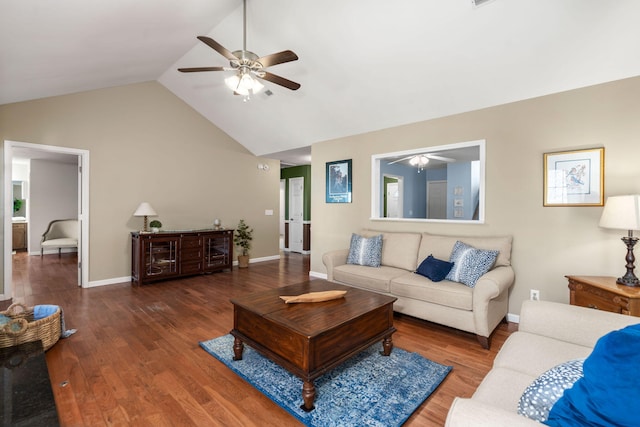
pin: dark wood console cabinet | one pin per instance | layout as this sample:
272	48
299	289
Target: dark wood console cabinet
172	254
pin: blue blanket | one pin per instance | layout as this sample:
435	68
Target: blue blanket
608	393
46	310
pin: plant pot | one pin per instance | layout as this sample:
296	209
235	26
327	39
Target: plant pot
155	229
243	261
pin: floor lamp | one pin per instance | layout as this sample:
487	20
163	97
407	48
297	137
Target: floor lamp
623	213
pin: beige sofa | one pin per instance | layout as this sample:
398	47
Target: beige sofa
477	310
548	334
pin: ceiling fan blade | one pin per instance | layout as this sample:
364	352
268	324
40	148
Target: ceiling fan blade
443	159
277	58
401	160
279	80
197	69
218	48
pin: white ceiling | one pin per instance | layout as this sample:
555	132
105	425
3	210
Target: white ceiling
364	64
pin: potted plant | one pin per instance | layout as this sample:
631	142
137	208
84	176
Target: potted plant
155	226
242	238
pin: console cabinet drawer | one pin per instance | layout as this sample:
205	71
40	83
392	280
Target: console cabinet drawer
591	300
191	242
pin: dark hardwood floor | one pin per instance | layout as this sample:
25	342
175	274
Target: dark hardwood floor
135	359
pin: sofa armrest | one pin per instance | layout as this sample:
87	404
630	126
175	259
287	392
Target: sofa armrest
490	299
492	284
471	413
333	259
570	323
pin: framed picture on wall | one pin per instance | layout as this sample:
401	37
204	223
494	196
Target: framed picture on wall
574	178
339	182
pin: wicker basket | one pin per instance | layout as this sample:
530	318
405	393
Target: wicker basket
23	328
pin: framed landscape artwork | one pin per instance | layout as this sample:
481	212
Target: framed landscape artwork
339	181
574	178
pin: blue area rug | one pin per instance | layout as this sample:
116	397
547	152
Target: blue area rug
367	390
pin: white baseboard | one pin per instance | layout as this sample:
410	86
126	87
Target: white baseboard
261	259
296	252
114	281
513	318
318	275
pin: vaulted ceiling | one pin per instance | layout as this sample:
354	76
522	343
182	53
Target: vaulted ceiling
364	64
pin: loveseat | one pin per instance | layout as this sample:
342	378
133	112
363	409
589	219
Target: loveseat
477	309
61	233
549	334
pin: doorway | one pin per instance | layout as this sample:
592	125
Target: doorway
437	199
296	214
43	152
281	220
393	203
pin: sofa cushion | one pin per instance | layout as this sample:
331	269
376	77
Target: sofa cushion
446	293
537	399
61	243
502	387
374	279
399	250
434	269
470	263
442	246
365	251
533	354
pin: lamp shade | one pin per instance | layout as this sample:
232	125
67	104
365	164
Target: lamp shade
145	209
621	212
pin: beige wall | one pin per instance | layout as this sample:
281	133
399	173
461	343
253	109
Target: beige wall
549	243
145	144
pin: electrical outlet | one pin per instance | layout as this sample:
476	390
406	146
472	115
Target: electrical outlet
534	295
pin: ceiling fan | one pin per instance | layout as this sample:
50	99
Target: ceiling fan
247	65
423	159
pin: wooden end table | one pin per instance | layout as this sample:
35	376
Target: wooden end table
309	339
603	293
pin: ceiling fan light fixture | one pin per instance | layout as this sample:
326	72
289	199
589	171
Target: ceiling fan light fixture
420	161
243	84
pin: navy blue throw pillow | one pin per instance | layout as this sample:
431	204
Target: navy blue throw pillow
434	268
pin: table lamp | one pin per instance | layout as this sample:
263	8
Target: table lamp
145	210
623	213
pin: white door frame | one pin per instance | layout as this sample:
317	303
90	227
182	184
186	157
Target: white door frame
83	211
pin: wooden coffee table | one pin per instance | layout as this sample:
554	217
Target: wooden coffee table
309	339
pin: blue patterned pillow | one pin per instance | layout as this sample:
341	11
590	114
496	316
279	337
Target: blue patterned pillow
434	269
469	263
544	392
365	251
